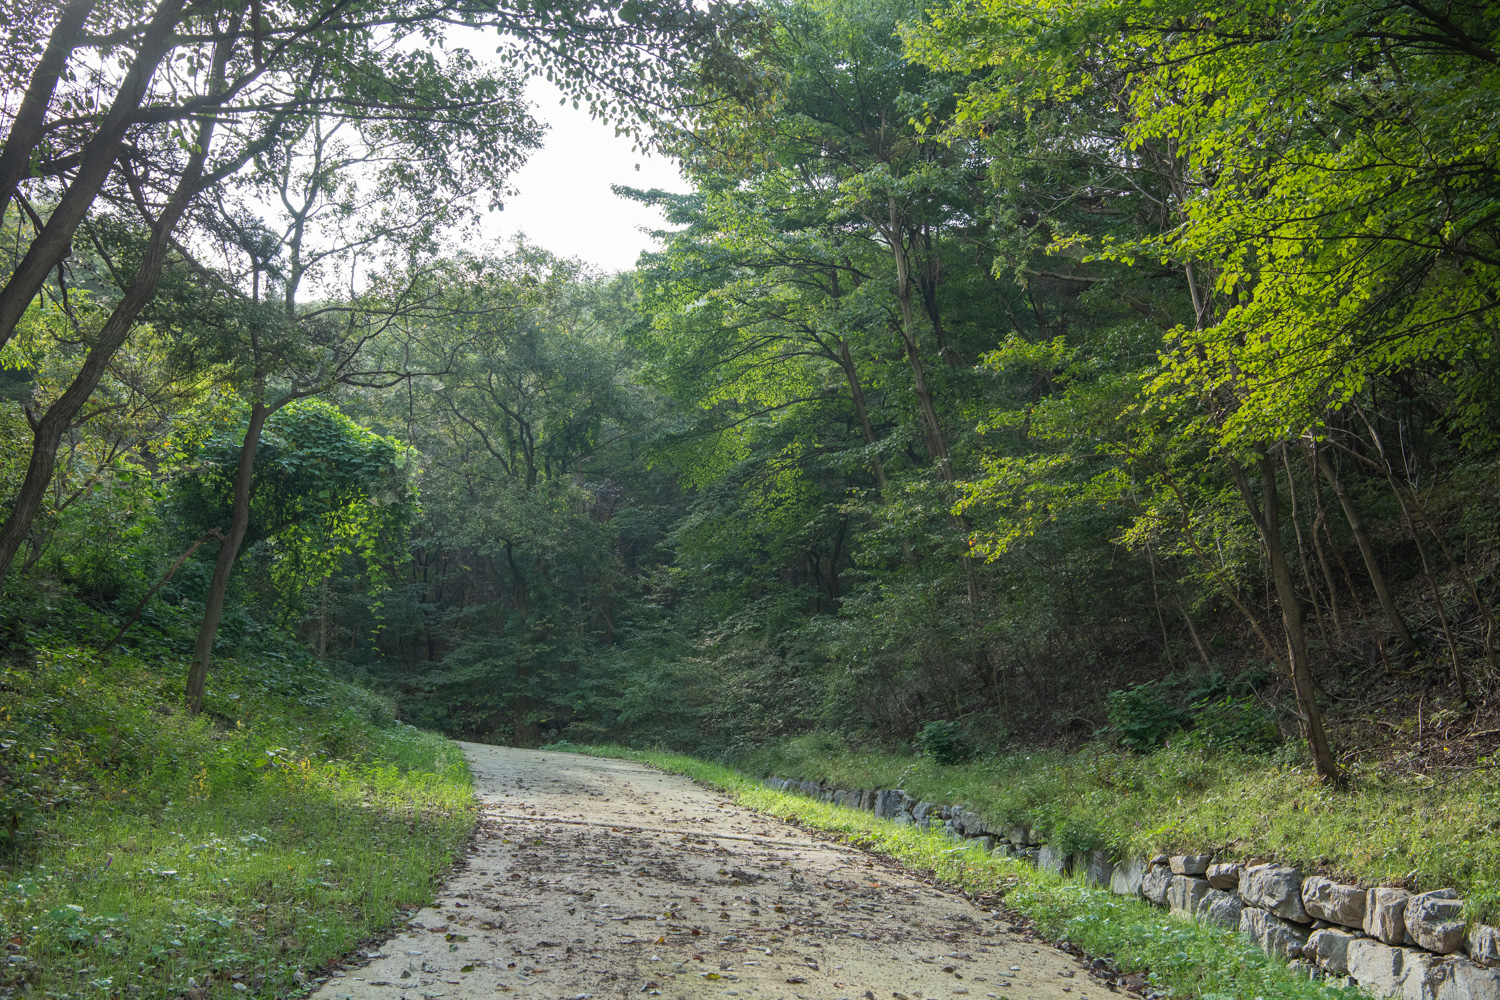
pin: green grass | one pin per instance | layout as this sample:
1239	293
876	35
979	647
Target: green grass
152	851
1415	831
1185	959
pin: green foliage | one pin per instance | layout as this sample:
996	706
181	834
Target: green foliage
944	742
1143	716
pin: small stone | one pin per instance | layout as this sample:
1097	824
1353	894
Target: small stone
1096	867
1183	894
1385	915
1275	888
1272	935
1435	920
1190	864
1224	876
1125	880
1330	949
1220	908
971	823
1325	899
1472	982
1155	883
1483	945
1379	968
1050	859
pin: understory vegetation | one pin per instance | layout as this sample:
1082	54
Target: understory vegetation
149	852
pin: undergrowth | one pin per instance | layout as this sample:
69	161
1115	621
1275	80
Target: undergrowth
149	853
1184	958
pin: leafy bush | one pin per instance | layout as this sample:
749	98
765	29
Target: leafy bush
944	742
1234	723
1143	716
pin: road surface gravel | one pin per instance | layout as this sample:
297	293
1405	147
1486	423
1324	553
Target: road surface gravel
594	878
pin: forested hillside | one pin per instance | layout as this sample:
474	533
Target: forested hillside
1016	373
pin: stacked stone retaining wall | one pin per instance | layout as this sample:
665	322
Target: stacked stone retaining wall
1391	942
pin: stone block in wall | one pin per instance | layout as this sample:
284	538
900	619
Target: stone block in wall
903	819
1183	894
921	811
1125	880
1385	915
1224	876
1473	982
1325	899
1054	860
1190	864
1271	934
1274	888
1429	977
985	841
1031	855
887	803
1023	837
1220	908
1329	948
1435	920
1378	967
1483	945
1155	882
1097	867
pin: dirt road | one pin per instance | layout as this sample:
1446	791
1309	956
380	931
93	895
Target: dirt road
602	879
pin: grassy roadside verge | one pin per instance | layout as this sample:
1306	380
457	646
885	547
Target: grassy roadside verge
152	854
1417	831
1185	959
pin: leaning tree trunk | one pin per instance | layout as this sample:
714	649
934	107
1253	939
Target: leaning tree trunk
229	550
852	375
30	123
1367	553
47	432
1267	518
53	244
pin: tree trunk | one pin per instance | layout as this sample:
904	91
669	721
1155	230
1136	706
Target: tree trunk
1267	518
29	126
140	608
229	550
937	444
852	374
47	433
1367	553
53	244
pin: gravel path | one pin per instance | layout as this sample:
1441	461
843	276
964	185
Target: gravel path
593	878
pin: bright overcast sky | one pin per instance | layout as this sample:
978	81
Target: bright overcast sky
563	202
